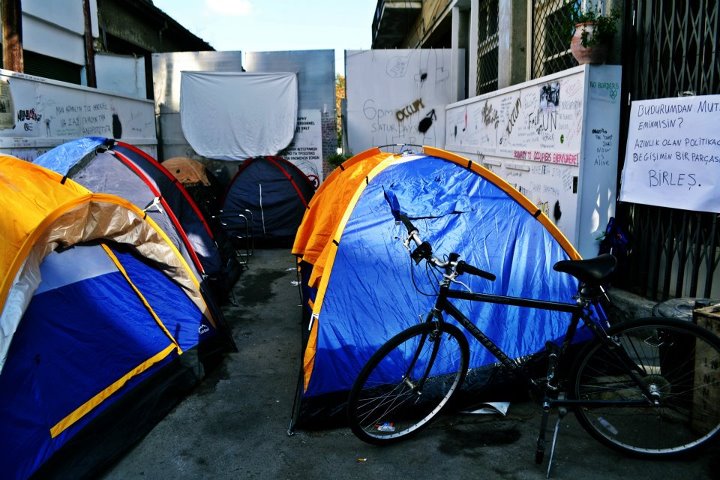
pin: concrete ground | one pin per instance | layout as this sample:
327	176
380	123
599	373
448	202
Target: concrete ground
234	425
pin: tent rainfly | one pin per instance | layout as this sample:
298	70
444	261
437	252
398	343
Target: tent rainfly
106	165
360	288
101	321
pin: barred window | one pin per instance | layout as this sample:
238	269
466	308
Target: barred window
552	29
487	61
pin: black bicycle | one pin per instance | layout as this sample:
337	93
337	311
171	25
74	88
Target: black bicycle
648	387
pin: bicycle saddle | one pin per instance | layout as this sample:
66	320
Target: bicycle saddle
591	271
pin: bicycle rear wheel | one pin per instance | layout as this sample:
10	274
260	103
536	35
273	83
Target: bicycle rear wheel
678	362
407	382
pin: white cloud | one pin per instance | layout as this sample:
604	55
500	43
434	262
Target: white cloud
237	8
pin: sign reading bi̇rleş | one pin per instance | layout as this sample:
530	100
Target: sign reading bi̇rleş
672	157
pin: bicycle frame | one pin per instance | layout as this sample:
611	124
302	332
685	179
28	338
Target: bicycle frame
578	311
637	375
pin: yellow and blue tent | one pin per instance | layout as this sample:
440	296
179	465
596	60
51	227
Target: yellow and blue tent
360	287
101	318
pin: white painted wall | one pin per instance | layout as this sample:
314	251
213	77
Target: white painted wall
121	74
37	114
390	92
562	155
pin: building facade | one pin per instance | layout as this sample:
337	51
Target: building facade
90	42
666	49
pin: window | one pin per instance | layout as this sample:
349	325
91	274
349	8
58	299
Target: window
487	55
552	29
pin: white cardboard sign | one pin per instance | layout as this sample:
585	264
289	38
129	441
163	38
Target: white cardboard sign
672	158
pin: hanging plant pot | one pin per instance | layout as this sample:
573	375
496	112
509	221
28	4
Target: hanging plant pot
595	51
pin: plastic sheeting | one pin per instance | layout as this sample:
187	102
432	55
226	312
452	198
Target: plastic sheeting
234	116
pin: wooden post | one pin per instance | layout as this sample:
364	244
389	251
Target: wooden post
12	35
89	48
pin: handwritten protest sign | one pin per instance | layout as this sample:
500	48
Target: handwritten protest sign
305	151
672	157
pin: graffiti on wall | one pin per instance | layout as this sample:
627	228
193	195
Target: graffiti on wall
37	112
397	97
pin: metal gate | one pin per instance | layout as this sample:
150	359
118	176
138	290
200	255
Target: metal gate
670	49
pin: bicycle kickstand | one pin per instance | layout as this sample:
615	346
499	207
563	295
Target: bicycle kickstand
540	450
547	405
562	411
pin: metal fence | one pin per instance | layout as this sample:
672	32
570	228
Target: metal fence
487	63
672	49
552	29
675	253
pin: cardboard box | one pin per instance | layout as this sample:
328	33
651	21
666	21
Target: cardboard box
706	402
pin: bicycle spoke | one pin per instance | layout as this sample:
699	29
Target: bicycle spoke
666	355
384	406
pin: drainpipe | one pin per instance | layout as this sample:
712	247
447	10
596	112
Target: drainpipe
11	11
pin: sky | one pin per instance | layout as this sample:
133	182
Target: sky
277	25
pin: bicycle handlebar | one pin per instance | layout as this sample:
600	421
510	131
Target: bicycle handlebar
423	250
464	267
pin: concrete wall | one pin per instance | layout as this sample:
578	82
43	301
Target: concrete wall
56	29
433	14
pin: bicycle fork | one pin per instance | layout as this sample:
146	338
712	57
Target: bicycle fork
434	317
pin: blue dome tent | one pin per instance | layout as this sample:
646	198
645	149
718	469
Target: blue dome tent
360	287
276	194
101	321
106	165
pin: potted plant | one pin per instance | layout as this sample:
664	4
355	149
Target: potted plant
593	33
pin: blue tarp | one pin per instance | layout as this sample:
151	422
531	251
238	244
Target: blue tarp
374	290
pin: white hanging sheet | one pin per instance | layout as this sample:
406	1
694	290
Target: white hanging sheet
234	116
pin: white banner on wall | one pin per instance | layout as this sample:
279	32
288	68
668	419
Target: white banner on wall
397	97
305	151
238	115
672	158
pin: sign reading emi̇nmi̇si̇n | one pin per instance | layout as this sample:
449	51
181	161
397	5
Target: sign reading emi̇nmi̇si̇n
672	157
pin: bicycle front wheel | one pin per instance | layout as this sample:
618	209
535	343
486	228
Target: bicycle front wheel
407	382
672	406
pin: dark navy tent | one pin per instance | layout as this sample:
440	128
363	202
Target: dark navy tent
360	287
101	323
273	194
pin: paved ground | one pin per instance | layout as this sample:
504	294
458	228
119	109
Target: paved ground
234	426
